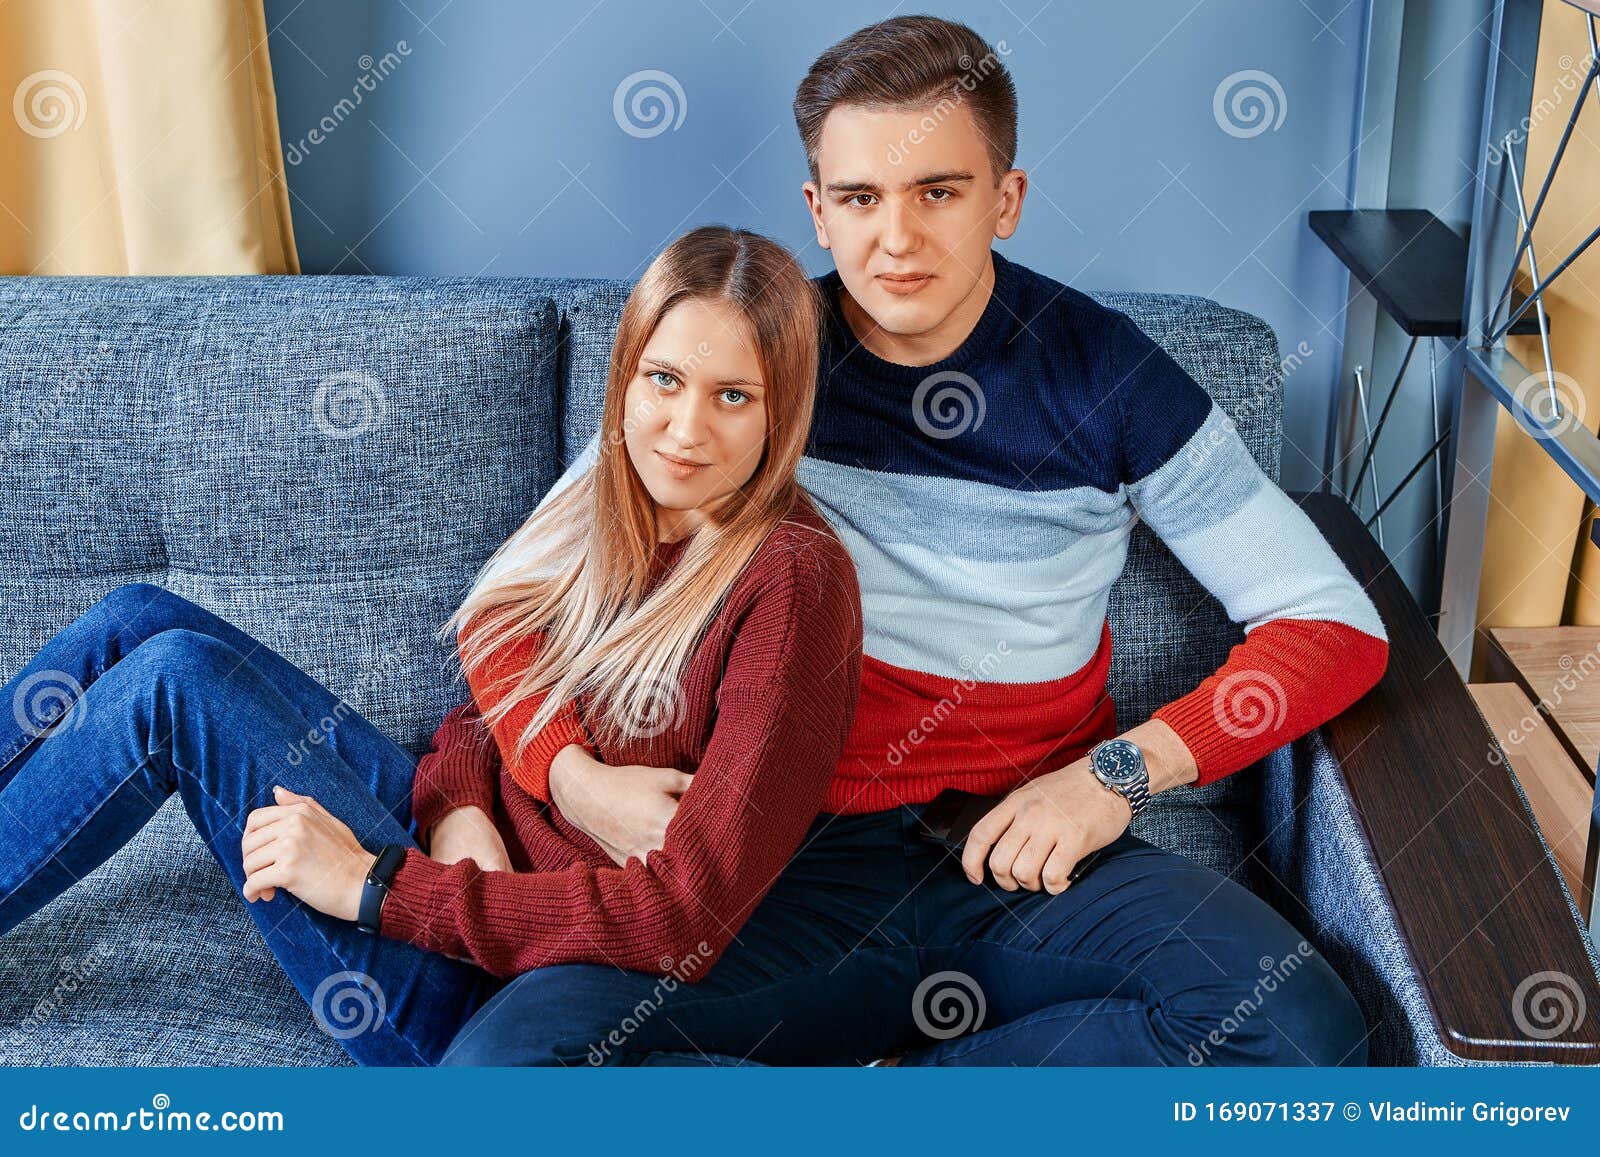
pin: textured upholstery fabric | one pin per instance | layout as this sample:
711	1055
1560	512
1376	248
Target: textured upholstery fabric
326	461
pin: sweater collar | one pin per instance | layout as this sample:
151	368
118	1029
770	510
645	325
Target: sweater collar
846	348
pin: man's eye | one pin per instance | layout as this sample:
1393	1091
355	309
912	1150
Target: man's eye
946	194
856	200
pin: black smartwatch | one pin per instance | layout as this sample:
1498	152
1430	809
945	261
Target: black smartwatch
376	889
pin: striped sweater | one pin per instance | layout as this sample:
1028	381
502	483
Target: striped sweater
987	501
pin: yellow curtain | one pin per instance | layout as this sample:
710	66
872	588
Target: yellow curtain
1539	567
140	137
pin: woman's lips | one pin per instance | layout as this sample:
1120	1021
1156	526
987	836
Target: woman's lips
680	469
903	286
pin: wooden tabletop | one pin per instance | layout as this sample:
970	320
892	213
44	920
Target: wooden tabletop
1559	669
1557	791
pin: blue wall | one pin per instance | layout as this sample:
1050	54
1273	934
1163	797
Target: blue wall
490	147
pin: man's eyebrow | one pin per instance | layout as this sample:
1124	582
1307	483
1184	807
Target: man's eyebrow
953	177
667	364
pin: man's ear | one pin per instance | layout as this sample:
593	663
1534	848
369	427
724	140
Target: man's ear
1013	188
814	203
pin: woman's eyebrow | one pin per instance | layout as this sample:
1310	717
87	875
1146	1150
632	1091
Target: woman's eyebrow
667	364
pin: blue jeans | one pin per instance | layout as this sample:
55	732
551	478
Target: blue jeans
147	694
873	943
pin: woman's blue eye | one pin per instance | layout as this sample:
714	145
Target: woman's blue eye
739	394
654	374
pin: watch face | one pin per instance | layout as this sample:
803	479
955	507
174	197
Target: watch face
1119	762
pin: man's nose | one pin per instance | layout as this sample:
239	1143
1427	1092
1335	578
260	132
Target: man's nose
899	230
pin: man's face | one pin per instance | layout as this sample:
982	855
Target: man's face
908	204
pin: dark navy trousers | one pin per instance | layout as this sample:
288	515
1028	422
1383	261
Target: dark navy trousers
874	943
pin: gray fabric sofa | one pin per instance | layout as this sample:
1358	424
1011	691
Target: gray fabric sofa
326	460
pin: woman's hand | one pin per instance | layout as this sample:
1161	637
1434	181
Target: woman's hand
625	809
299	845
468	833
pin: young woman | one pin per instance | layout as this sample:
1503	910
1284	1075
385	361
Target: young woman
678	611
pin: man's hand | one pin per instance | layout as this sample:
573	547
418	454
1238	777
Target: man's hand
624	809
468	833
1041	830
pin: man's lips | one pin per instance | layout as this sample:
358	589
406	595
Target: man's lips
904	282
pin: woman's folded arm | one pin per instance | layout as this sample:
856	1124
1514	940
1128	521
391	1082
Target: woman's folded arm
461	769
784	708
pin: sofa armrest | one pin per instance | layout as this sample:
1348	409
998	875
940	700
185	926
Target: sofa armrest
1476	898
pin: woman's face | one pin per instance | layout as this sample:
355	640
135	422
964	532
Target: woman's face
696	397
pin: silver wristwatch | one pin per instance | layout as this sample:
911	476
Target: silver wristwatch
1120	766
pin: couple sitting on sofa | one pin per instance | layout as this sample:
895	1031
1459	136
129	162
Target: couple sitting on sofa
838	546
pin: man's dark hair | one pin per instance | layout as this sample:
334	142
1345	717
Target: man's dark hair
908	63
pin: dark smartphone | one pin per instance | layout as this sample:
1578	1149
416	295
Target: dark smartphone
949	818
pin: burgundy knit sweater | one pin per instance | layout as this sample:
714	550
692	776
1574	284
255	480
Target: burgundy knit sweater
767	701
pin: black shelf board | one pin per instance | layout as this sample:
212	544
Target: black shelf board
1412	262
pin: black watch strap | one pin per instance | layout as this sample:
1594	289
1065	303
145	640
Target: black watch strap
384	866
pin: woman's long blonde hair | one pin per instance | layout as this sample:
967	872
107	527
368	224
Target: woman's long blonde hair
576	570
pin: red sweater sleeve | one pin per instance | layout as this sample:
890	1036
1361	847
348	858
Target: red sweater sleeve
490	682
1287	677
785	704
461	769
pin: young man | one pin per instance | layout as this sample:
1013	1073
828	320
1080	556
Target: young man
985	438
